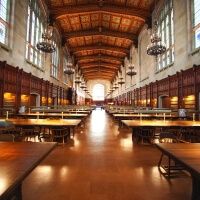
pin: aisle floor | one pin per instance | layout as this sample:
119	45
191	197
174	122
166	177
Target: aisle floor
102	163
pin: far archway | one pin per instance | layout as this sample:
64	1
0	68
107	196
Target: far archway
98	93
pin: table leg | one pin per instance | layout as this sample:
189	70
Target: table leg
195	188
15	194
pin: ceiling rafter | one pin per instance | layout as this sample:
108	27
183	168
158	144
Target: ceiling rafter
100	69
95	32
99	64
100	57
100	47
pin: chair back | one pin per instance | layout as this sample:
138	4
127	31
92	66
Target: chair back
59	132
166	137
7	138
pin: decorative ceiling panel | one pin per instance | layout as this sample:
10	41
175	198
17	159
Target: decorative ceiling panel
82	41
114	22
100	30
95	52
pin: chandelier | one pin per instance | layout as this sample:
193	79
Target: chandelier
131	72
115	86
83	86
112	89
69	69
121	81
77	80
46	43
156	47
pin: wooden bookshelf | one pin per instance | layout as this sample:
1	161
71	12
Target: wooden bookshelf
189	102
174	102
24	100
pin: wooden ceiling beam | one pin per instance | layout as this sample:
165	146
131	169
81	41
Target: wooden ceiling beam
110	78
104	32
100	57
97	64
98	74
99	47
100	77
85	8
104	69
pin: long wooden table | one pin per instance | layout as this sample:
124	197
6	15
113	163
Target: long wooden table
187	155
17	160
121	117
47	122
70	123
51	115
159	123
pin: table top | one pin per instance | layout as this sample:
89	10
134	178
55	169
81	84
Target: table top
59	110
51	115
161	123
187	154
47	122
18	159
121	115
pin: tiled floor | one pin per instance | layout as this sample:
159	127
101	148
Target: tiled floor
102	163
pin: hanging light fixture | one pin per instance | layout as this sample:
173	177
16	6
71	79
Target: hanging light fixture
115	86
77	80
69	69
83	86
46	43
131	72
156	47
121	81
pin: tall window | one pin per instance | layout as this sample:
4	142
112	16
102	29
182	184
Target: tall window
98	92
4	20
34	32
196	23
55	58
64	65
166	29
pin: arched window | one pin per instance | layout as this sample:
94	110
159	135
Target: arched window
34	32
166	30
196	23
98	92
4	22
55	58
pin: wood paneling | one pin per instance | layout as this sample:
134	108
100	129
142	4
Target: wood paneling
17	82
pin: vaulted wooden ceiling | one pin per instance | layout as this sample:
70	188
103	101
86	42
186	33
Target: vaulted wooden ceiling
99	33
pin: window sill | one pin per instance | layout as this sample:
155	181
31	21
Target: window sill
164	68
34	65
144	79
54	77
5	47
197	50
65	83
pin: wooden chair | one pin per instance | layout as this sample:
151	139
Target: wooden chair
146	135
15	132
60	133
28	132
7	138
168	137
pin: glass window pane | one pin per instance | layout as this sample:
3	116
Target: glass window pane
4	10
196	23
98	92
2	33
167	33
197	38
